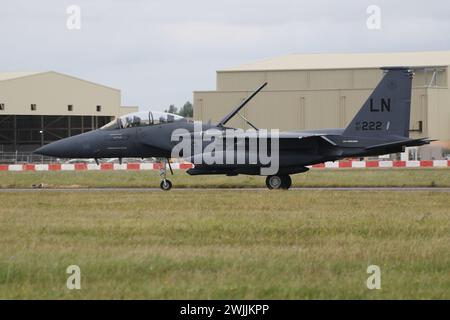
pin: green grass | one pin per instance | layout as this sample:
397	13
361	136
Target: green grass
225	245
313	178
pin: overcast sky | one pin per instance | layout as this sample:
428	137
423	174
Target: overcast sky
158	52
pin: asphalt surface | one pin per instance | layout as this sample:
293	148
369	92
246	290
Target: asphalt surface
262	189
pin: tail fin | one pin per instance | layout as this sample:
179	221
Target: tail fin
387	111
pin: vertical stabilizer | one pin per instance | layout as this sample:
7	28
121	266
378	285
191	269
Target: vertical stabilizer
387	111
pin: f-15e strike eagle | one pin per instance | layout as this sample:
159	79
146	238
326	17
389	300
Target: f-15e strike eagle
380	127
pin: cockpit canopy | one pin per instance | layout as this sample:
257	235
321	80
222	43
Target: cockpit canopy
140	119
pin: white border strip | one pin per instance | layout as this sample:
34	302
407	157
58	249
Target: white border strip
176	166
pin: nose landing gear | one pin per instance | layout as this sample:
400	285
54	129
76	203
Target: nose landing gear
165	184
283	182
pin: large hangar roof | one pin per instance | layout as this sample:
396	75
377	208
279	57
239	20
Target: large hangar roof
5	76
322	61
15	75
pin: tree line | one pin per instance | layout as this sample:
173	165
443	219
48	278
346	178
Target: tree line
185	111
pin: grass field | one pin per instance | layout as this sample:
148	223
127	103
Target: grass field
225	244
232	244
314	178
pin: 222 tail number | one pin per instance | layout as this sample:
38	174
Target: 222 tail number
369	125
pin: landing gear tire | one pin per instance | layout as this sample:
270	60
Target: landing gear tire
286	182
166	185
274	182
278	182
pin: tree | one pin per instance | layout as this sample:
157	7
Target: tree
172	109
187	110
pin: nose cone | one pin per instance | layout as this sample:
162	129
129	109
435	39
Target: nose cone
45	150
80	146
62	149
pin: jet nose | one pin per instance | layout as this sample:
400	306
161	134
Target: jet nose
55	149
42	150
79	146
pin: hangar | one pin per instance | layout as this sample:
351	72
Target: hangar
41	107
312	91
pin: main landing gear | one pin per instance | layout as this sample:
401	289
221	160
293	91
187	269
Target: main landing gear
165	184
283	182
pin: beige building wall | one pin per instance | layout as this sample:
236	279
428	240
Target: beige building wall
437	113
52	92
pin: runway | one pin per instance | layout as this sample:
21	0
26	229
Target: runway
262	189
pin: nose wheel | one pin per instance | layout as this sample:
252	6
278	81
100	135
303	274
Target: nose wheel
165	184
283	182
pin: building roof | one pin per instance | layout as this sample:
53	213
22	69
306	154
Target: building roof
4	76
327	61
14	75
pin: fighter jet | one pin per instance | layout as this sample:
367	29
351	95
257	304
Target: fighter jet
380	127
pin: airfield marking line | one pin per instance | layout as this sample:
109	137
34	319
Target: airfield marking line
397	189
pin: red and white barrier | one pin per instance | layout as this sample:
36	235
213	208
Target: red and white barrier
384	164
154	166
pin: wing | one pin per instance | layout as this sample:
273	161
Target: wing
286	139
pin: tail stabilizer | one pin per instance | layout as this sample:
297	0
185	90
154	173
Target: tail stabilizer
387	110
402	143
